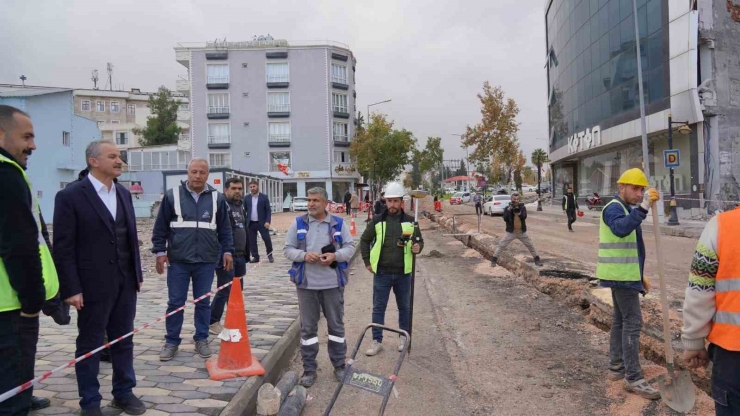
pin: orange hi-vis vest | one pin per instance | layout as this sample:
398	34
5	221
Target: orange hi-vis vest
726	326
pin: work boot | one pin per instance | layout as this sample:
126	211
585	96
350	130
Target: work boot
339	372
168	352
271	259
537	261
130	405
255	260
615	375
202	348
375	348
308	378
642	389
215	328
494	262
38	403
93	411
105	355
401	343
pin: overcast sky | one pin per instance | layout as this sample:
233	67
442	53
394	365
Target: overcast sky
430	57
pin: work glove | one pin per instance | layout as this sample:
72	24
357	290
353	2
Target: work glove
646	284
651	195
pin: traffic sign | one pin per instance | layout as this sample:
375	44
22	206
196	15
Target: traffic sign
672	158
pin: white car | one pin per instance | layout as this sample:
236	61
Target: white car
497	205
300	203
460	198
530	188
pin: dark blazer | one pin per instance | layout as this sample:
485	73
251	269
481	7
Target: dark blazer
264	212
84	253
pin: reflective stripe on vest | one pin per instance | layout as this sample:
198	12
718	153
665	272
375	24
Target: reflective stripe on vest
8	296
408	257
193	224
619	258
725	330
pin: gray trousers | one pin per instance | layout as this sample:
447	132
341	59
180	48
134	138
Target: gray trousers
624	342
310	304
516	235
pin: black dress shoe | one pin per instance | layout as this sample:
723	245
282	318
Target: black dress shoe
38	403
255	260
105	355
93	411
130	405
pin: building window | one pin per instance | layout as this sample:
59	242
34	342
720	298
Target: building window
184	107
219	133
341	132
279	133
217	74
182	159
341	157
279	158
100	123
160	160
124	156
115	122
65	138
278	72
218	103
278	102
85	105
131	109
339	74
219	160
100	106
121	138
114	106
340	102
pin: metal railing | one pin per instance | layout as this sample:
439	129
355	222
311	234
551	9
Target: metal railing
279	138
278	78
341	138
218	80
157	166
213	109
340	109
219	139
278	108
339	80
261	44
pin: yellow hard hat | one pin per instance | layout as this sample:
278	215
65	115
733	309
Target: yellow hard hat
634	176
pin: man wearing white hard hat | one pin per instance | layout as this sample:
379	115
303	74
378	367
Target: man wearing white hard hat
387	249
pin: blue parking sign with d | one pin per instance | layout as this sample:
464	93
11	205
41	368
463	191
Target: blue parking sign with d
672	158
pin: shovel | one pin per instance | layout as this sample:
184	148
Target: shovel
415	195
676	389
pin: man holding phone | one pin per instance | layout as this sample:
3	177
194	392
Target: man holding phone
320	245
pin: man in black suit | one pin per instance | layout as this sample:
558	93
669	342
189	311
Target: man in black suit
259	213
96	252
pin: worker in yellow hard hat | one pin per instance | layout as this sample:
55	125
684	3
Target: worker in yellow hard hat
620	267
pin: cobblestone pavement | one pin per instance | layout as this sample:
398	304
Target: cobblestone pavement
181	385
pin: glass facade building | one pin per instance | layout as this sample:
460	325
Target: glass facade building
592	63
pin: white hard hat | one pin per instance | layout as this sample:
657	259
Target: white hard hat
394	190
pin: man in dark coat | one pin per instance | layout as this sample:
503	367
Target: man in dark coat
259	215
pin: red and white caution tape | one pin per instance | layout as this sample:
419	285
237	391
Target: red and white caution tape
25	386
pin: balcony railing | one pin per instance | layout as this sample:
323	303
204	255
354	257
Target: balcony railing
339	80
214	109
277	78
274	166
340	109
278	108
218	80
279	138
341	140
219	139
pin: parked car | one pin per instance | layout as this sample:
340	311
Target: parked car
300	203
497	205
460	198
530	188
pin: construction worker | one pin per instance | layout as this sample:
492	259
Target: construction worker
27	273
478	201
570	206
620	267
390	259
710	310
320	245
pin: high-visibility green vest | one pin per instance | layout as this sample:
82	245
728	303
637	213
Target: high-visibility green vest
618	257
408	228
8	296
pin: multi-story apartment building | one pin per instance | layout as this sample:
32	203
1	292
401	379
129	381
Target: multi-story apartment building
276	108
118	113
689	55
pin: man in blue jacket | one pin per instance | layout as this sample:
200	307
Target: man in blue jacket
260	215
191	234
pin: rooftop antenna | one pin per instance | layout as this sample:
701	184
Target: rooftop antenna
95	79
109	84
23	80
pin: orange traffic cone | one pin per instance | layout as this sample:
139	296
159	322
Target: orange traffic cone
235	358
353	226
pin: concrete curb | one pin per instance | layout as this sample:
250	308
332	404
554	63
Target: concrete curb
244	402
583	295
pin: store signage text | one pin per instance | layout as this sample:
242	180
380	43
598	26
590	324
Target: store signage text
584	140
303	174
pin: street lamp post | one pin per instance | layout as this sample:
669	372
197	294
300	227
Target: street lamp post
683	129
539	183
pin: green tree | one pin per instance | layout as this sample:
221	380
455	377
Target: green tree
381	151
462	170
161	126
359	123
416	175
539	158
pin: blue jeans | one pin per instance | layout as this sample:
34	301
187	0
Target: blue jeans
624	341
223	277
178	281
382	285
725	380
18	338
